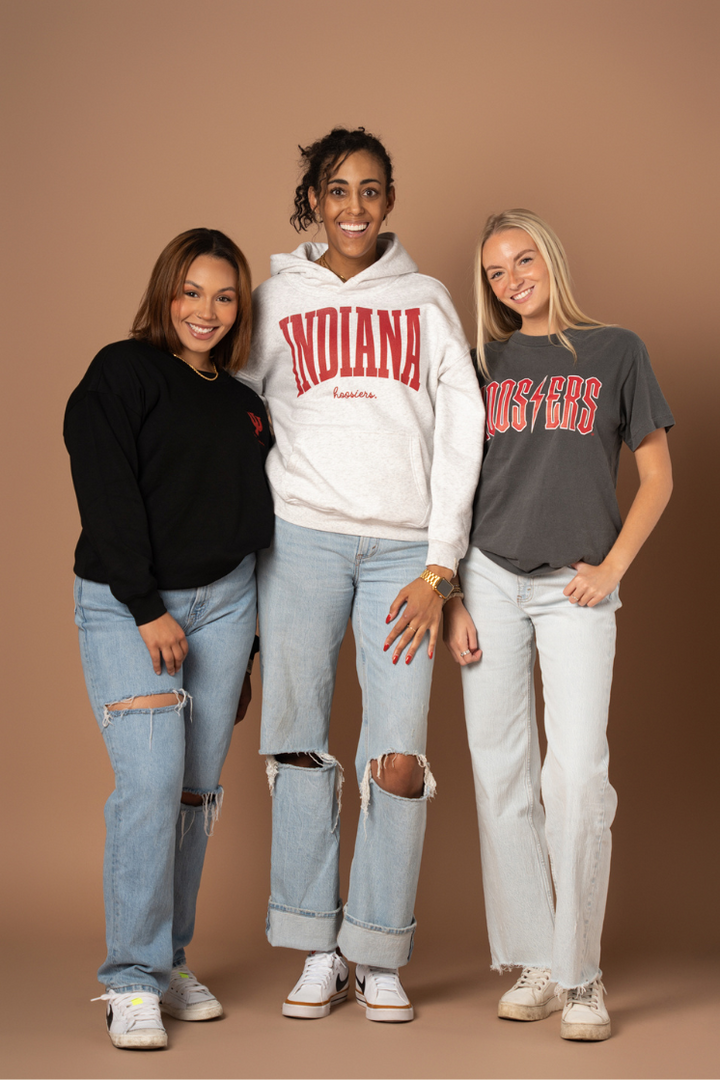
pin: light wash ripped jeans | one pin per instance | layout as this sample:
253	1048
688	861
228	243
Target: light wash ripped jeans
155	844
522	838
309	583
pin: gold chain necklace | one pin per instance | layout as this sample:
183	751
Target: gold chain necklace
207	378
322	261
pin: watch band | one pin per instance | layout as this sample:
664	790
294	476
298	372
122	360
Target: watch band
441	586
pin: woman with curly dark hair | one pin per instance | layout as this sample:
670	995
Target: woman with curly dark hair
167	453
377	418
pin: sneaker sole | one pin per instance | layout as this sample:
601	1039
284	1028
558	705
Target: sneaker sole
202	1010
585	1032
303	1010
393	1014
144	1039
508	1010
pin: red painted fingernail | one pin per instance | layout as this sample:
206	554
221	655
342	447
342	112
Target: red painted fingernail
409	658
395	659
386	646
430	654
388	619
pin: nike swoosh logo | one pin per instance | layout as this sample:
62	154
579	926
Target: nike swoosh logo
340	983
361	985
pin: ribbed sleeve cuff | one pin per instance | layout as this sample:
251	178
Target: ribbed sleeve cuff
442	554
145	609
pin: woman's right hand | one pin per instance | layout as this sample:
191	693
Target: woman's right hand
165	640
459	633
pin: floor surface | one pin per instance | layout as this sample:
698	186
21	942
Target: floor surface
664	1025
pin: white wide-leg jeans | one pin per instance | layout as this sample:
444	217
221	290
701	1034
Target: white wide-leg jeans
521	837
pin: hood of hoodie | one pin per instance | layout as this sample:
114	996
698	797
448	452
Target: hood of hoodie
394	261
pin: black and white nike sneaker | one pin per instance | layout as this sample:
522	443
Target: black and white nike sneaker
381	994
323	983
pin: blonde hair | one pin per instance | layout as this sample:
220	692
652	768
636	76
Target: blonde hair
495	321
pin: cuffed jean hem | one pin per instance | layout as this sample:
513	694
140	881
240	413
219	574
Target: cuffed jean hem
379	946
303	930
136	988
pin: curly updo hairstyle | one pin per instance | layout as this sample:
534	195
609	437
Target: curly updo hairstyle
321	158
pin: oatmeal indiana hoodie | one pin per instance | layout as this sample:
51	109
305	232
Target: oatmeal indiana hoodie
374	401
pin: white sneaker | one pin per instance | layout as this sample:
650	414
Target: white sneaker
585	1016
187	999
381	993
134	1021
323	983
531	998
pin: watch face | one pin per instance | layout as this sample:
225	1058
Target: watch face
444	588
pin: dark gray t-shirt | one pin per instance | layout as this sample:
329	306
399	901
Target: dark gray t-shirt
546	496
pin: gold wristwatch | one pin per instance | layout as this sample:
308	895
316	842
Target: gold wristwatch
441	586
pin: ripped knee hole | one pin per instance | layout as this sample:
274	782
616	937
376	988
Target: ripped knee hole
148	701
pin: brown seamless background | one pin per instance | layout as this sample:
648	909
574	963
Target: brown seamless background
128	122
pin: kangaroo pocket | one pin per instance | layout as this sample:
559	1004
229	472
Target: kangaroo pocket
359	475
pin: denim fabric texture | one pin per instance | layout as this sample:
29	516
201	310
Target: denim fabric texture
155	844
521	837
309	583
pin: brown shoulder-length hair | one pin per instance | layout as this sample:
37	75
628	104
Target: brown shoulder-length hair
153	321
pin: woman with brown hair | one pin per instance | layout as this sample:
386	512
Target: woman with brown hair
167	451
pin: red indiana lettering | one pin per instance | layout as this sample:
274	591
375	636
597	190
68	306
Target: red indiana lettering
300	380
304	343
411	371
320	344
393	338
586	422
345	370
327	356
364	343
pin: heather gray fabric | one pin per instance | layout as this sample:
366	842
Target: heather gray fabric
546	496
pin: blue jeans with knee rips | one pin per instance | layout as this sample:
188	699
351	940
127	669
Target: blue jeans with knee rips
309	583
155	845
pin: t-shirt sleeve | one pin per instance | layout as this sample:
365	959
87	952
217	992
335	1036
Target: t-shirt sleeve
101	430
642	406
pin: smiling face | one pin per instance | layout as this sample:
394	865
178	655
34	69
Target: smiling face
205	308
353	204
519	277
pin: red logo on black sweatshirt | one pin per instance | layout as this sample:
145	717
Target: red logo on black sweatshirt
257	424
386	344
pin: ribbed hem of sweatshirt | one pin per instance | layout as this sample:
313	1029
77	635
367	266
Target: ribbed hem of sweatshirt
439	553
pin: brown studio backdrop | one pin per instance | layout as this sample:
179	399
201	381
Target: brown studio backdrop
129	122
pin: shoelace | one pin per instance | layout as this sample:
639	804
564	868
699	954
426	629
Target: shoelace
535	978
386	979
586	995
123	1003
317	967
183	979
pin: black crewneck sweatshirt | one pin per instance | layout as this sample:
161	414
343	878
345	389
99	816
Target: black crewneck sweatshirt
168	469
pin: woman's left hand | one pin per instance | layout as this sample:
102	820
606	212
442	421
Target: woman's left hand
420	610
591	584
245	698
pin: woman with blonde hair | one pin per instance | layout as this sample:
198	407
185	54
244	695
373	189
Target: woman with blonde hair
547	552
